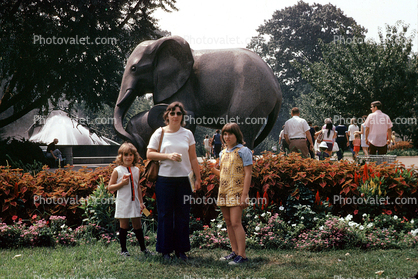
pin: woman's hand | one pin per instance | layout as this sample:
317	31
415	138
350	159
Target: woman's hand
197	185
176	157
142	206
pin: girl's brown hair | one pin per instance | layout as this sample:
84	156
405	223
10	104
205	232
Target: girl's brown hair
233	128
172	107
127	147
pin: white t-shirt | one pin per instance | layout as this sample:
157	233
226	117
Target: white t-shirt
351	129
178	142
327	138
206	142
296	127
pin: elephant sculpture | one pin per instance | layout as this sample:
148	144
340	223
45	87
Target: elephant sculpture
215	87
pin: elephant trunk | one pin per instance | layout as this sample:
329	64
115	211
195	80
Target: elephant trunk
123	104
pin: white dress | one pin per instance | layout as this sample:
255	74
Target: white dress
125	207
363	137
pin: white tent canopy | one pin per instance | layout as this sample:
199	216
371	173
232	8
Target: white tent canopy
68	132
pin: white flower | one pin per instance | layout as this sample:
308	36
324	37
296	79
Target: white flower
315	218
268	213
223	229
414	232
321	228
264	214
302	218
293	225
351	223
63	226
248	215
369	225
349	217
213	220
281	208
395	217
364	215
412	221
361	227
219	225
257	228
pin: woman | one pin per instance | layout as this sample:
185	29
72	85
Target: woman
329	135
177	158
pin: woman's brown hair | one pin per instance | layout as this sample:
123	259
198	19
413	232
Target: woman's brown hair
233	128
127	147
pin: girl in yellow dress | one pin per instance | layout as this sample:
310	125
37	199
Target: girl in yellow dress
234	183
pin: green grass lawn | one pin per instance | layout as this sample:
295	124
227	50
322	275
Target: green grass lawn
99	261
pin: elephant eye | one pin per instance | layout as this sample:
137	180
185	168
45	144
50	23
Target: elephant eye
133	68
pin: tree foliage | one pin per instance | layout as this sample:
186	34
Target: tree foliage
293	34
72	49
352	75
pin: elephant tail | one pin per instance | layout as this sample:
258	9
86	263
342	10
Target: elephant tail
272	117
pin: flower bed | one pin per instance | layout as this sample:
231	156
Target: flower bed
297	192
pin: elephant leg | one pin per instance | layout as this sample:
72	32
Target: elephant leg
141	132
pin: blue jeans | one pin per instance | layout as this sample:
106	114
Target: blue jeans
173	214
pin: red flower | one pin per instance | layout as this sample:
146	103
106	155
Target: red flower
365	173
34	216
356	178
355	212
14	218
317	198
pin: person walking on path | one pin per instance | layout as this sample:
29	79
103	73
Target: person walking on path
329	135
342	139
352	129
234	183
129	203
364	144
178	160
206	143
217	144
312	131
378	129
296	131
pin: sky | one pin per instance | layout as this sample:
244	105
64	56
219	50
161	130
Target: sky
218	24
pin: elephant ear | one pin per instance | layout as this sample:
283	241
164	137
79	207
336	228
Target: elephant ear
155	116
173	66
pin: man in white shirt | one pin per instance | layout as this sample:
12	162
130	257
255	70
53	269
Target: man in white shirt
378	127
296	131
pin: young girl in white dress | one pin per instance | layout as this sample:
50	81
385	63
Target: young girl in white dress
129	203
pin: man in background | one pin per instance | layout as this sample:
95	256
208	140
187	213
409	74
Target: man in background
378	129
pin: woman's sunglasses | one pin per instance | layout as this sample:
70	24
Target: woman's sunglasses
179	113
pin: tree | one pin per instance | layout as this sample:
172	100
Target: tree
293	34
352	75
68	49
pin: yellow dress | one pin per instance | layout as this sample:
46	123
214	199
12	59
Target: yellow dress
231	181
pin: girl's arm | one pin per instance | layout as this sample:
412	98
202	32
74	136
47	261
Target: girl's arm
216	172
141	201
195	166
113	186
247	183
